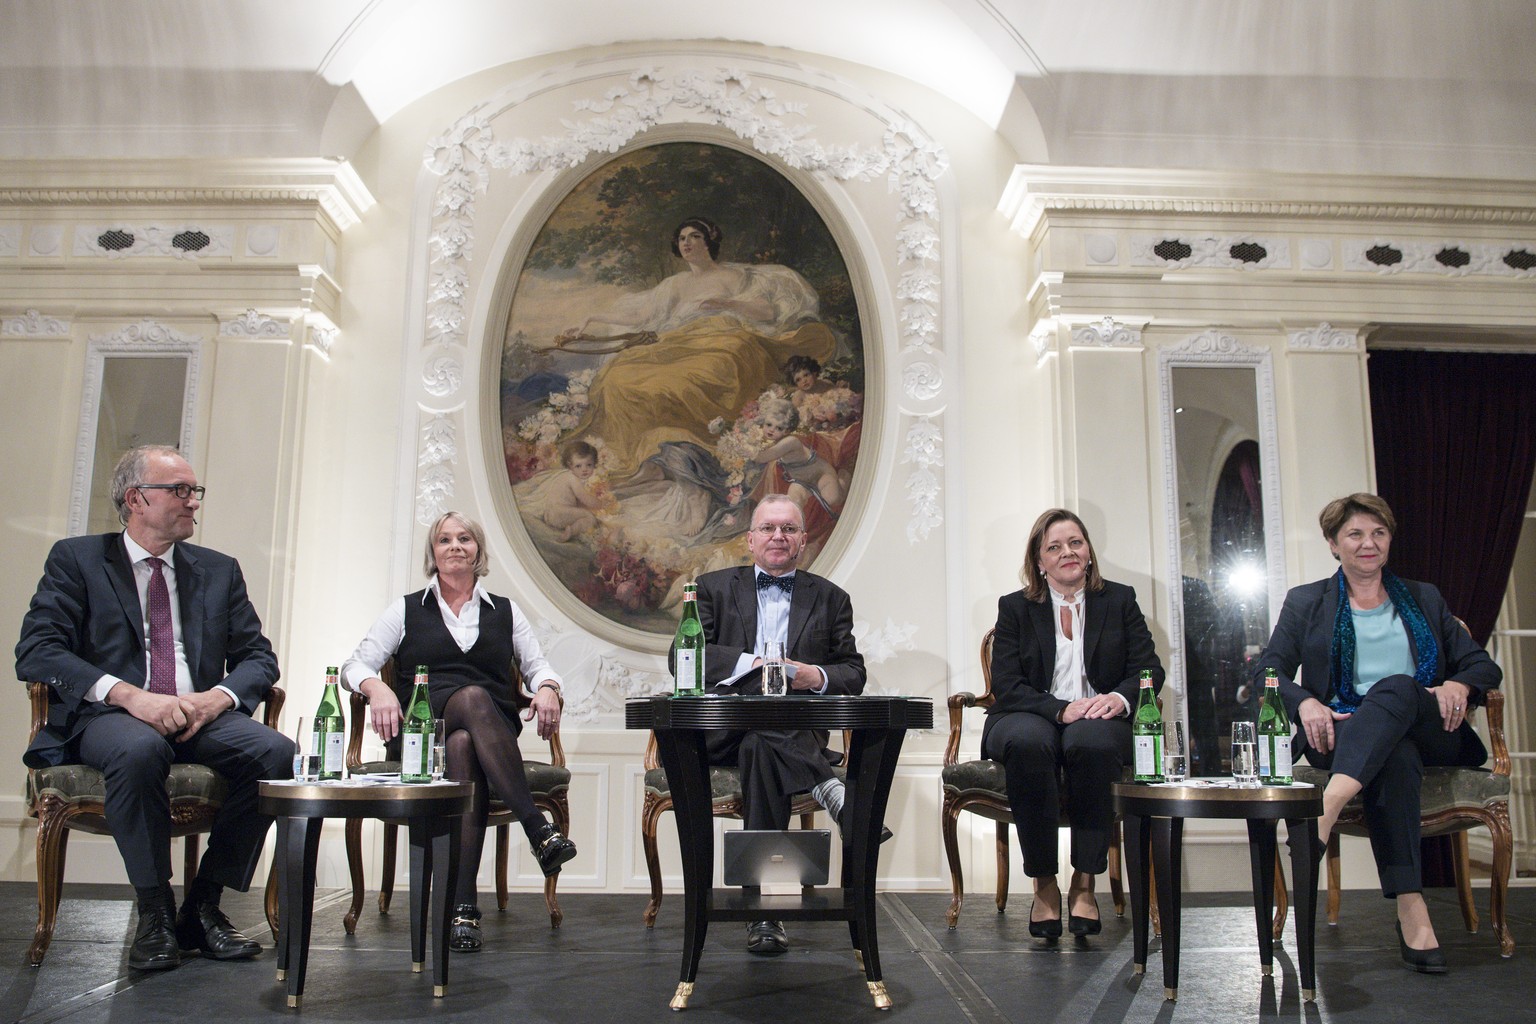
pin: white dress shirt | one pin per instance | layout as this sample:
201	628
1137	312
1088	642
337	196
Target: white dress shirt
772	624
384	637
139	557
1069	682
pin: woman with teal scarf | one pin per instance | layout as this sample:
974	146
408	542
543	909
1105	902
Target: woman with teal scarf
1387	677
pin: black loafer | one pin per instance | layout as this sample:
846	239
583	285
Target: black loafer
767	938
464	934
1425	961
154	941
205	928
886	835
552	849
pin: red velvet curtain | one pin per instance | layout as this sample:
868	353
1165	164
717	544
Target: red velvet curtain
1455	436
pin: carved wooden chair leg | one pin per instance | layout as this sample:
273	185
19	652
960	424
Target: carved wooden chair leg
52	845
949	828
354	842
1282	899
648	816
1462	859
1503	854
1335	880
561	810
387	872
1002	866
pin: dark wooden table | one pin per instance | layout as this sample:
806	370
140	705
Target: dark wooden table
432	813
878	725
1262	807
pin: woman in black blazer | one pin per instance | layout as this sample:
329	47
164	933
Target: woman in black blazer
1066	656
1387	678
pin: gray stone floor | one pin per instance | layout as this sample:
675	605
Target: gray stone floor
604	966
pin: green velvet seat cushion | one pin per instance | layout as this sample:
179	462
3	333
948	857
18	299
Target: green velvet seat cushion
79	784
543	779
1444	788
974	777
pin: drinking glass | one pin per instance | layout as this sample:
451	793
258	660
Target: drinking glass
439	762
774	682
1175	756
1245	755
306	759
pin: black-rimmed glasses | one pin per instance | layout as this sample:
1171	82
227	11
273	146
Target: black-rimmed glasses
182	491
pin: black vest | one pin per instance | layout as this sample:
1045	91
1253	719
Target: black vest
488	663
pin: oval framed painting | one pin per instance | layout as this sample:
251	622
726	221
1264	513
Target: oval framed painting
683	337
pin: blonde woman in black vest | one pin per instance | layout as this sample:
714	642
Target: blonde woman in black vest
467	638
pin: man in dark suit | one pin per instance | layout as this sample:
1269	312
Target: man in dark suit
740	610
154	655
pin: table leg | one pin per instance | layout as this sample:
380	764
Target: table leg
683	758
1168	850
1301	837
1261	859
1137	849
440	836
298	848
871	767
421	860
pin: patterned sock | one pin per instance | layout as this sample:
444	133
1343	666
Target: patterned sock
830	795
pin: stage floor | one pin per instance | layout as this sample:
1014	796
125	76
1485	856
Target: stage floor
603	965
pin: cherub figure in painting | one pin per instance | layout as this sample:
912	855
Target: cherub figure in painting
567	500
810	476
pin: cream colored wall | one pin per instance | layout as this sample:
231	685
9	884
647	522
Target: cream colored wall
313	461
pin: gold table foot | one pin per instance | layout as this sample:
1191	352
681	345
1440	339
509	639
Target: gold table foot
1138	968
1268	970
293	1002
417	966
282	975
680	997
881	997
1309	995
438	991
858	958
1170	994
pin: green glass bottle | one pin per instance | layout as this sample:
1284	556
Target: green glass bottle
329	738
1147	731
688	648
1274	735
416	733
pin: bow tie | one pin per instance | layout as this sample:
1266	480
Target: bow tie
784	583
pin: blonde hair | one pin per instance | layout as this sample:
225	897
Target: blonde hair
482	564
1031	576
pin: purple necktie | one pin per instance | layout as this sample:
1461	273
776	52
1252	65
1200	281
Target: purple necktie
162	640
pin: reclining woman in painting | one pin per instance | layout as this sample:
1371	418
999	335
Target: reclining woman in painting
1067	654
697	347
467	638
1388	676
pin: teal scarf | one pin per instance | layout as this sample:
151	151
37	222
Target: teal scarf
1342	654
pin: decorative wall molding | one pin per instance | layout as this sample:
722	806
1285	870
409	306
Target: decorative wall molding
252	324
1107	333
1324	338
189	241
439	452
33	324
922	380
1444	259
924	450
1043	339
464	156
1212	346
46	240
145	338
322	337
1228	252
10	239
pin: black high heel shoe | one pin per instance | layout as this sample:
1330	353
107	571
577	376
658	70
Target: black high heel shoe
1425	961
1050	928
1081	926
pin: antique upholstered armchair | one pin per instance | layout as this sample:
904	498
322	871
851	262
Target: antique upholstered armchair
70	796
1453	801
725	795
549	783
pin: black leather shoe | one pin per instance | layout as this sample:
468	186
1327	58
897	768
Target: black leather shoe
464	935
1425	961
552	849
154	941
204	927
767	938
1048	928
886	835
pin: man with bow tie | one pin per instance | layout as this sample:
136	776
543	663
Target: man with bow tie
740	610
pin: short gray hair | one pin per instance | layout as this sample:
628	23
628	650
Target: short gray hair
129	473
482	564
779	499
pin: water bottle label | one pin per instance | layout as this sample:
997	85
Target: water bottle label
1146	756
335	752
413	755
1283	767
686	671
1265	745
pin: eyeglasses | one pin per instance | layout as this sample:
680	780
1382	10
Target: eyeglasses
182	491
769	529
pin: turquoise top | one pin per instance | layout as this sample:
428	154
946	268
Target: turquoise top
1381	646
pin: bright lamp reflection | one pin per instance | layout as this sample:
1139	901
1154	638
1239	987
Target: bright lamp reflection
1245	579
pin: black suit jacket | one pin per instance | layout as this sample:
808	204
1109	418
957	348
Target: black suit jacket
85	621
820	626
1303	637
1116	647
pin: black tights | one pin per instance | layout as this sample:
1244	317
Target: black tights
481	748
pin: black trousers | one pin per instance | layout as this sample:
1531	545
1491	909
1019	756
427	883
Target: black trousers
1385	746
775	764
135	760
1037	756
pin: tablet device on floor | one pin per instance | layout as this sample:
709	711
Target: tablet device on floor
795	857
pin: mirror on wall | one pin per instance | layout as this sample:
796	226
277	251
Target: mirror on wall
1226	569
